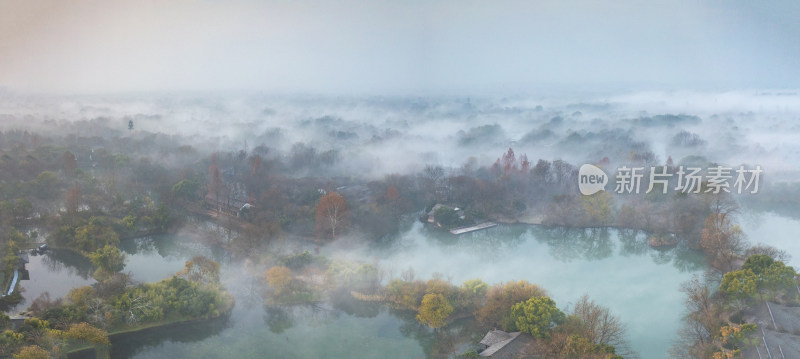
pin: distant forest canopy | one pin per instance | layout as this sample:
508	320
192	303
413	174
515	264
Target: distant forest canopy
117	177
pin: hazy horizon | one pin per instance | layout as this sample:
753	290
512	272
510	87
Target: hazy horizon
396	48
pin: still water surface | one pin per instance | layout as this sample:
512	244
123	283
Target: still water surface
617	269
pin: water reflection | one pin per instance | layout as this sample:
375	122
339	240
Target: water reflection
632	242
458	337
128	345
568	244
67	261
568	262
278	319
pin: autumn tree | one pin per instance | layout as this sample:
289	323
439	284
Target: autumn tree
722	241
216	185
472	293
500	298
700	324
86	333
509	162
599	325
407	293
525	164
438	285
435	310
392	194
201	269
331	214
598	208
279	278
536	316
73	199
32	352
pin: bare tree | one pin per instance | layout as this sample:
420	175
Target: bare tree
331	214
136	309
601	326
696	335
722	241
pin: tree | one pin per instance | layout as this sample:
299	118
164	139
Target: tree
45	184
279	278
201	269
758	263
702	320
69	163
215	184
500	298
599	325
437	285
186	190
536	316
722	241
22	208
739	284
331	214
130	125
391	194
772	252
73	199
108	260
525	165
85	332
598	208
778	276
509	162
407	293
94	235
472	293
32	352
434	310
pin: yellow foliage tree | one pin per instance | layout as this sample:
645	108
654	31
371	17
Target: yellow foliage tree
434	310
32	352
85	332
598	208
279	278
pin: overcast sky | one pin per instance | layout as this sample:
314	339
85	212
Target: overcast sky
385	47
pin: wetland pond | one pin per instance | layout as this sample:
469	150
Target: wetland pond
616	268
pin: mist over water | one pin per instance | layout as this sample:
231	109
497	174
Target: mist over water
294	100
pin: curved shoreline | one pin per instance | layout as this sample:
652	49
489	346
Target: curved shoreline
122	334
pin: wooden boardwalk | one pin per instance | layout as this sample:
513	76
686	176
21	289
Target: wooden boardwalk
13	284
474	228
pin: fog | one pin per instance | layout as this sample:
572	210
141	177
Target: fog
340	147
370	137
409	48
